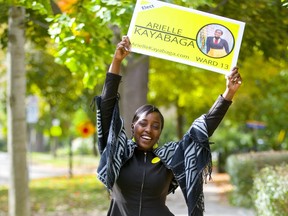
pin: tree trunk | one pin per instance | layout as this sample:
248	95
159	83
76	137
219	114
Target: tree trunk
134	87
16	115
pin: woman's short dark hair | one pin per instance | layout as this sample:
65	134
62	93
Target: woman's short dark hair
219	31
147	109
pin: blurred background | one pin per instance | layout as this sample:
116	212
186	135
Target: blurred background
53	60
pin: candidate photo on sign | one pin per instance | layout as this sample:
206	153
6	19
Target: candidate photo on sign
215	41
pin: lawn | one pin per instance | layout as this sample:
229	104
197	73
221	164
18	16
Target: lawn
62	160
62	194
83	193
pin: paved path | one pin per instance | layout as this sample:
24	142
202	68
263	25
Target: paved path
4	170
215	203
37	171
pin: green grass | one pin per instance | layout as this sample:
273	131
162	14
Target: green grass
63	194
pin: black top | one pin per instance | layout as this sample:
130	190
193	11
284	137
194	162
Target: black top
143	182
141	188
220	45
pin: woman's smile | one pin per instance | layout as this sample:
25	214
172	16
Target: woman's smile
147	130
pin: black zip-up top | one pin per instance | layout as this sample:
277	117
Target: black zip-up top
142	187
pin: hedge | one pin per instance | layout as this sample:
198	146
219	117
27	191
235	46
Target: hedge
270	191
242	169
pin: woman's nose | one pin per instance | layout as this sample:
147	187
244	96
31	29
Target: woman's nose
148	128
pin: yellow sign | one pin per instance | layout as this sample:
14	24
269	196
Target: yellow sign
185	35
56	131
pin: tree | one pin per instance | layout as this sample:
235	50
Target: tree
16	89
16	112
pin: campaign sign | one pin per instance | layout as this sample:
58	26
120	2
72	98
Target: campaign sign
185	35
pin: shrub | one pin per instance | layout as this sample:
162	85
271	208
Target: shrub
242	169
3	145
270	191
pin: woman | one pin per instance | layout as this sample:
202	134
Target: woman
217	46
137	172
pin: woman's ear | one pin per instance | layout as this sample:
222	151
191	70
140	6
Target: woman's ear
132	129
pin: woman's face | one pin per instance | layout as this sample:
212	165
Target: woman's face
147	130
218	34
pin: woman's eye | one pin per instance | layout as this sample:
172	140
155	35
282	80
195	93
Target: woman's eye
142	124
146	124
156	127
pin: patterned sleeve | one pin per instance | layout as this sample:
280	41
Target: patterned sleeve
216	114
190	161
106	103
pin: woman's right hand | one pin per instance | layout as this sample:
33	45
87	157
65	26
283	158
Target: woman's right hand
122	50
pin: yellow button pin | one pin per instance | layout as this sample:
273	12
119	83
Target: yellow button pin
155	146
155	160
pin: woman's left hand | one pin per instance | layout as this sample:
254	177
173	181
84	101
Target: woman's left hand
233	83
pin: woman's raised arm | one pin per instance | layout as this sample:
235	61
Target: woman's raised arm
221	105
110	89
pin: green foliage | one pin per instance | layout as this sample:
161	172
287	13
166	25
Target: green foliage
190	4
276	97
229	139
84	36
60	194
168	133
3	25
243	168
36	30
4	11
55	86
271	191
181	86
262	97
84	149
36	27
76	39
3	120
116	13
3	145
43	7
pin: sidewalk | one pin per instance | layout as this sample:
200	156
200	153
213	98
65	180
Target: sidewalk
216	203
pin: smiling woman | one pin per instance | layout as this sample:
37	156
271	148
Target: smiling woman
138	173
147	126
